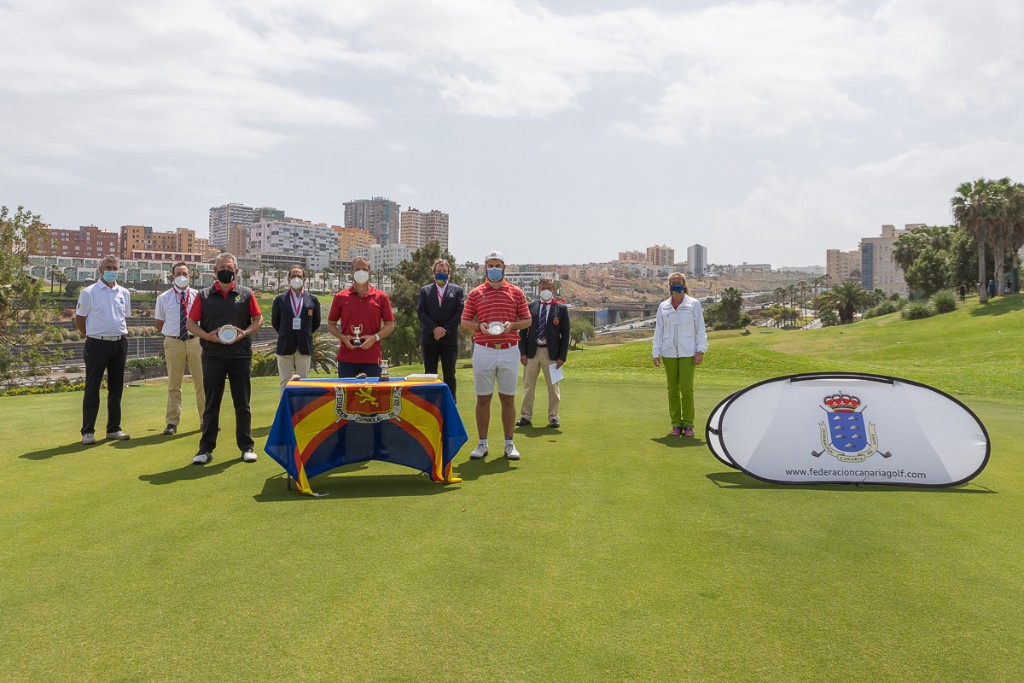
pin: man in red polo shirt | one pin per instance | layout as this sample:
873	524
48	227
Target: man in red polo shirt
496	310
365	306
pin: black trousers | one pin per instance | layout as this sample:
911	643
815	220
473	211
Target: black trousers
103	356
236	371
447	353
346	369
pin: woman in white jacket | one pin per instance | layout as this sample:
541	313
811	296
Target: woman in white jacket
680	342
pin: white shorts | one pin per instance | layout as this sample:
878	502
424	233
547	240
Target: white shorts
490	364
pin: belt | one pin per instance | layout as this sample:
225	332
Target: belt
174	336
102	338
498	346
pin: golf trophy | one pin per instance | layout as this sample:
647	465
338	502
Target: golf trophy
356	331
384	376
227	333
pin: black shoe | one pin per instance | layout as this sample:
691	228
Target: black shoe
523	422
554	424
171	430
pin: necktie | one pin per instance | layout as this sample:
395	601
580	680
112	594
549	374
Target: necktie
542	333
182	317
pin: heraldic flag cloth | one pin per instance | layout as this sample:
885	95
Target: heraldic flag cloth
323	424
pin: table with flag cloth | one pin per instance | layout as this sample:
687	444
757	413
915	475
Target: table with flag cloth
326	423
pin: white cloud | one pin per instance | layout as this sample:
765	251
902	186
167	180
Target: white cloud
790	219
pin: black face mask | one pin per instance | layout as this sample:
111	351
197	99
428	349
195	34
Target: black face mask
225	276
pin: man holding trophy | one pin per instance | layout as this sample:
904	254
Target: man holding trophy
360	318
224	316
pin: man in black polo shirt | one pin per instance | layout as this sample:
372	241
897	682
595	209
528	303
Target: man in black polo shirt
224	316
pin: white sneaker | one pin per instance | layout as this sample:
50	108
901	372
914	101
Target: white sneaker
249	456
88	438
479	452
202	458
118	436
510	451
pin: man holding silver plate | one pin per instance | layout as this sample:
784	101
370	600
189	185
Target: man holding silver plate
495	311
224	317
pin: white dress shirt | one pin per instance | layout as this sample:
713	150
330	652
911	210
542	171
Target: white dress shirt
679	331
168	309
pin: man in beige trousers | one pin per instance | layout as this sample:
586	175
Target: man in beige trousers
180	346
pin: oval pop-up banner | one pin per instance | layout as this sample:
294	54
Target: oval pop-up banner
848	428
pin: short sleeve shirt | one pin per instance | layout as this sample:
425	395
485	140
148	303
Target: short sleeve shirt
168	308
105	309
488	304
371	311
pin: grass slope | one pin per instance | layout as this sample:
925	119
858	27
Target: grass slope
610	552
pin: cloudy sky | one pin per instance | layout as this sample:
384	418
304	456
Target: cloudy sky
557	131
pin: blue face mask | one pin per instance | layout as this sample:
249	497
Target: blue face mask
441	278
110	276
675	289
495	274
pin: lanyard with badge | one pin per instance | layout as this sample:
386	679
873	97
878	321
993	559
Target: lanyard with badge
297	309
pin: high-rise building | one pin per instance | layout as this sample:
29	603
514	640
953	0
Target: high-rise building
696	260
86	242
380	216
222	217
351	238
660	255
632	256
878	268
238	239
312	246
268	212
419	229
839	265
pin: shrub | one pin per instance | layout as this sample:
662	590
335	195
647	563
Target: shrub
59	386
916	310
944	302
143	363
886	307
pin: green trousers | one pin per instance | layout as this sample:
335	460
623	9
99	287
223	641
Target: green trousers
679	372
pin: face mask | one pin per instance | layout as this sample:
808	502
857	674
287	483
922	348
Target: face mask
495	274
675	289
361	276
441	278
545	295
110	276
225	276
181	282
296	283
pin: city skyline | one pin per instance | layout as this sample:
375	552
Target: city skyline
554	131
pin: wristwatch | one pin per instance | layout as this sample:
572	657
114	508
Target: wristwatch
377	337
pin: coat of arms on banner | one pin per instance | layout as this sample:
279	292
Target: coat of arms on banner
845	434
367	404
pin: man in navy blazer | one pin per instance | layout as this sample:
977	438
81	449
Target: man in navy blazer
440	311
544	342
296	316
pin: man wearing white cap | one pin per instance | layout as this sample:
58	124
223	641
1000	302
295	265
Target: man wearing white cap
495	311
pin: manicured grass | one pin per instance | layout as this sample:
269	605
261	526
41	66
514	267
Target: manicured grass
609	552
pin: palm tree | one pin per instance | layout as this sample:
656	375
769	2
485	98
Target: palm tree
847	298
52	272
731	303
975	210
245	276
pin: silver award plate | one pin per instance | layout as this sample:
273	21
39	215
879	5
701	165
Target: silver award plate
227	334
495	328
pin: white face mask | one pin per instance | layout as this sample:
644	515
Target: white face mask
296	283
545	295
361	276
181	281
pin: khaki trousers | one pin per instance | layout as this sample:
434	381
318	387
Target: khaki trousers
177	353
534	366
292	364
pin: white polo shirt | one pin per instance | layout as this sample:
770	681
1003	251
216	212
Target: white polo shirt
168	309
105	309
